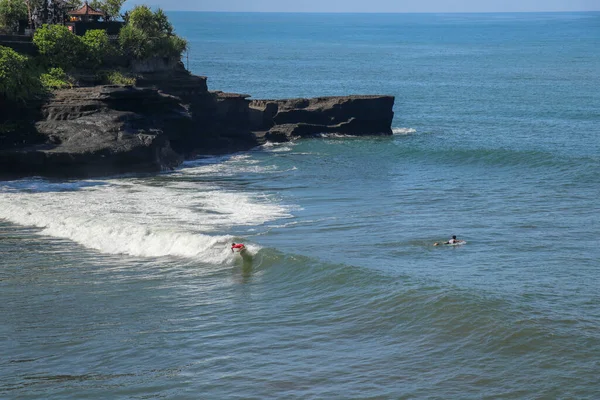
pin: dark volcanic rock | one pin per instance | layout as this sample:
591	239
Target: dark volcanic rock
352	115
100	130
106	130
17	123
220	120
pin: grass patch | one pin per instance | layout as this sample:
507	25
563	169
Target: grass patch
119	78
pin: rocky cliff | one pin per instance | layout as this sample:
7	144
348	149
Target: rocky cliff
351	115
105	130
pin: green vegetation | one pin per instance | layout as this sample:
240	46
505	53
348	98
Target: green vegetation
112	8
42	11
150	34
147	35
11	11
119	78
56	78
19	78
58	46
96	48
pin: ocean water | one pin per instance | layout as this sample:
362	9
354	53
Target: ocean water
125	287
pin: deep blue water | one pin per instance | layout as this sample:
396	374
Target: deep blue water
126	288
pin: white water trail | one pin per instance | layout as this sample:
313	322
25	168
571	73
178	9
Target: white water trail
139	217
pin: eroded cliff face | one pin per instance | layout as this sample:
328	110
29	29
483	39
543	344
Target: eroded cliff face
100	130
285	120
106	130
17	124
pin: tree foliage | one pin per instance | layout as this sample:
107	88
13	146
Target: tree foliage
11	12
150	34
58	46
112	8
19	79
142	17
72	4
163	23
50	11
96	48
134	42
61	48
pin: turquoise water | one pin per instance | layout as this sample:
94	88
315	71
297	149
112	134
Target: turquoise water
126	288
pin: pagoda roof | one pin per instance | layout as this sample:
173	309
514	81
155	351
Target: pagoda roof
86	10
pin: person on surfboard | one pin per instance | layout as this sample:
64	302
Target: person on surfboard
454	240
238	246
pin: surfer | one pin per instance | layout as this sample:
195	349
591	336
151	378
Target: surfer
454	240
238	246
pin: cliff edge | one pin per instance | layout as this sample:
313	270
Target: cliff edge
163	120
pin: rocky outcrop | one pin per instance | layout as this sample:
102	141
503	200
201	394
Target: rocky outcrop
350	115
101	130
106	130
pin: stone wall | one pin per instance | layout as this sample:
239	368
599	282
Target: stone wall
19	43
155	64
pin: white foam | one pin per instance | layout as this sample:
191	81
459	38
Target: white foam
225	166
334	135
279	149
138	217
403	131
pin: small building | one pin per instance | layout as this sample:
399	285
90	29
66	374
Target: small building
85	14
86	18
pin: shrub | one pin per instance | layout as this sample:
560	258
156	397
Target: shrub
150	34
169	46
56	78
162	22
142	17
134	42
18	76
59	47
96	48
